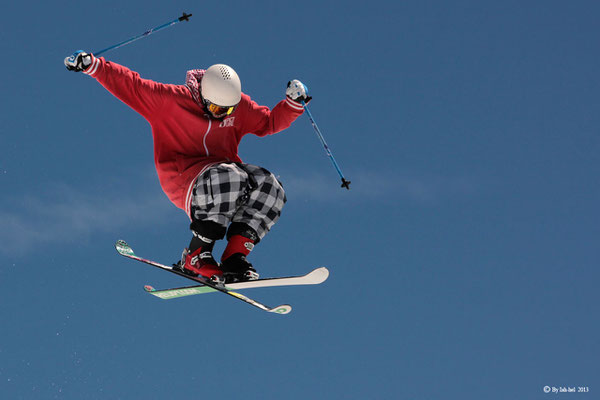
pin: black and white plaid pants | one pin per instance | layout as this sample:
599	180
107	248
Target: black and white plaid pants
236	192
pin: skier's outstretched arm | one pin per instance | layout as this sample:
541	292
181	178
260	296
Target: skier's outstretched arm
143	95
262	121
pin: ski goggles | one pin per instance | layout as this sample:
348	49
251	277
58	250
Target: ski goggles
219	111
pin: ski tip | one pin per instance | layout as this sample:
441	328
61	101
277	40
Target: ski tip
282	309
149	288
319	275
123	248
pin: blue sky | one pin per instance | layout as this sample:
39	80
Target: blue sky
464	261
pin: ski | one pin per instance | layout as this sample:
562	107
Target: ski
125	250
314	277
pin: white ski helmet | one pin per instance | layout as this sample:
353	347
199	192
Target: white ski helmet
221	86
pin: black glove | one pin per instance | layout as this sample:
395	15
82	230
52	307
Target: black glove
78	61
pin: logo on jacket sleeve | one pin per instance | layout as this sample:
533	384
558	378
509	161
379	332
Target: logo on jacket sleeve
227	122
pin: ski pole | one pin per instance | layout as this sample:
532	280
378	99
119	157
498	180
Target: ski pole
184	17
345	183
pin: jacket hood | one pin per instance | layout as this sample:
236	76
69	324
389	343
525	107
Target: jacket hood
193	79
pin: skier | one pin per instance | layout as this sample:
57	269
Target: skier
196	129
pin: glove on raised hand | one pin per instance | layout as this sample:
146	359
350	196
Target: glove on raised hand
297	91
78	61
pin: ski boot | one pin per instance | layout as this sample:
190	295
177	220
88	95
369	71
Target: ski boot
200	263
236	268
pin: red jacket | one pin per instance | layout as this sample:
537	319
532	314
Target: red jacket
186	140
